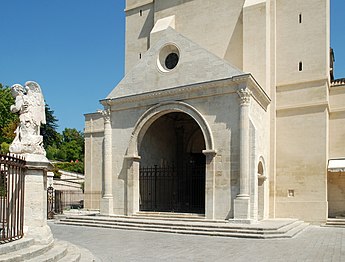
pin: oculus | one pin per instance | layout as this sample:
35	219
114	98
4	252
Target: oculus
168	58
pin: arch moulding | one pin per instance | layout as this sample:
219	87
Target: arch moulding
161	109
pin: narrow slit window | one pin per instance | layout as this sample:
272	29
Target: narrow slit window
141	12
300	18
300	66
139	55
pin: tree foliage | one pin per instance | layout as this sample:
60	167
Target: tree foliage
50	136
71	147
8	121
77	167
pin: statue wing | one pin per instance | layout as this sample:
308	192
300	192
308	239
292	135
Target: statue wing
37	103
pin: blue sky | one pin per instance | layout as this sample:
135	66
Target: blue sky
75	50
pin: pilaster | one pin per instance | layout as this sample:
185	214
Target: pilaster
106	205
132	184
242	201
210	183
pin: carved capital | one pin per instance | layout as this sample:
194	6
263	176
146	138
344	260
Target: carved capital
106	113
244	94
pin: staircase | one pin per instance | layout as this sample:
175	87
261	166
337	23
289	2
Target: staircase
26	250
335	222
191	224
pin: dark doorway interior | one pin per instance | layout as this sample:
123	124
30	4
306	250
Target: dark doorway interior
172	172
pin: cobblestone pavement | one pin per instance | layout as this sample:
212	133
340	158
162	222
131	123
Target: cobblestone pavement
313	244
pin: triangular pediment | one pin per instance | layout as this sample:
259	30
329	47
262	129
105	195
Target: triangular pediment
195	65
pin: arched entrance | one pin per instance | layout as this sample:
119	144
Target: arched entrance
133	158
172	166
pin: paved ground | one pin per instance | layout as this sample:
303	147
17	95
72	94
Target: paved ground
313	244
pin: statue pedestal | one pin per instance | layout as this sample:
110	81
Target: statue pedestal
35	199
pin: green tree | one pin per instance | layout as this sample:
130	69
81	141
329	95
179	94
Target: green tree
4	148
70	147
50	136
8	120
72	134
73	144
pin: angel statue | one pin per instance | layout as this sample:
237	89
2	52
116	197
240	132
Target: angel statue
30	106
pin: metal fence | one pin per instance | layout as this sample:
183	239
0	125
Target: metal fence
170	189
59	200
12	184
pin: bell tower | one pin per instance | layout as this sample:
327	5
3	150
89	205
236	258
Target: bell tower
139	23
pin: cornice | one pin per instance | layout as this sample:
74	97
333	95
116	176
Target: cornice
302	84
304	106
259	95
142	3
338	83
91	132
211	88
337	88
337	110
92	114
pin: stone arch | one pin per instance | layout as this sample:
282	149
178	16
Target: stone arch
132	157
157	111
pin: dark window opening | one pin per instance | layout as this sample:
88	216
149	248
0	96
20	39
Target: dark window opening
300	18
300	66
171	60
141	12
139	55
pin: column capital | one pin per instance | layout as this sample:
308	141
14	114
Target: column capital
244	94
106	113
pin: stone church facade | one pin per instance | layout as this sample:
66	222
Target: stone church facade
227	110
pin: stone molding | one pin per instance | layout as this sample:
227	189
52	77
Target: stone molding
244	94
324	104
209	152
142	3
106	113
133	157
297	85
212	88
35	161
262	177
337	110
156	111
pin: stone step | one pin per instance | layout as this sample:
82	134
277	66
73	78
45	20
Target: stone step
26	253
286	229
73	254
293	231
58	251
182	226
195	231
15	245
335	222
86	256
168	215
177	222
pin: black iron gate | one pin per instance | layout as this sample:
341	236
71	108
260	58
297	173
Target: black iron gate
12	184
54	202
170	189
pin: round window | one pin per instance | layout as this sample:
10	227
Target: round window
168	58
171	61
